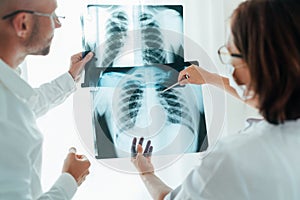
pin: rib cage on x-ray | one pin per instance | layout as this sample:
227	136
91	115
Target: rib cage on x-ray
152	40
134	91
116	32
133	99
130	103
177	108
148	38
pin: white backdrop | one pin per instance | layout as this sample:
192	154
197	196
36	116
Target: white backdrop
205	22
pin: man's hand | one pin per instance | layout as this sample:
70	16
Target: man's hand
142	161
78	63
77	166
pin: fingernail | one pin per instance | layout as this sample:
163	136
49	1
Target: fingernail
72	150
83	158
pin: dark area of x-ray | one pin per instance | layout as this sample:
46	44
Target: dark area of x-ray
138	53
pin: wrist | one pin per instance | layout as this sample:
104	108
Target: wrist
144	175
212	78
71	74
70	175
74	76
217	80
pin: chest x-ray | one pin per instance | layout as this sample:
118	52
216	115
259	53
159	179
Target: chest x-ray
133	34
138	53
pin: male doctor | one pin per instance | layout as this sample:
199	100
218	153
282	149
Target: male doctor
27	28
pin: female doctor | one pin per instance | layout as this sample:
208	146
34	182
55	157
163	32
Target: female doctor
262	162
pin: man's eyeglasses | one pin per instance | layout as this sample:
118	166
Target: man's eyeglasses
225	56
53	15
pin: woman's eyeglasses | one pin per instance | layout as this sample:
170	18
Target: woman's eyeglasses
225	56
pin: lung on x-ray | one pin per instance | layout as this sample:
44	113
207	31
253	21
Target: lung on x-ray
138	53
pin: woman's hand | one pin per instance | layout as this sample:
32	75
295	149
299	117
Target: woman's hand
142	161
196	75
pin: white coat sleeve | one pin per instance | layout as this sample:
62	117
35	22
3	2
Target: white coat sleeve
51	94
63	189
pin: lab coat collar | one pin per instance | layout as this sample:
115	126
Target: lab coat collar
18	71
12	81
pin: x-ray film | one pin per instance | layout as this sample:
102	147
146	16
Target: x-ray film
138	53
133	35
131	104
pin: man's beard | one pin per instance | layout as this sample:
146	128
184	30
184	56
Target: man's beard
34	42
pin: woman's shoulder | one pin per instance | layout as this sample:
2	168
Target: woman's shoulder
255	139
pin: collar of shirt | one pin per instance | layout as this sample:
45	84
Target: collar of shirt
18	71
12	81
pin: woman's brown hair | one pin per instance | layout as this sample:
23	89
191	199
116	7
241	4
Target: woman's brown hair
267	33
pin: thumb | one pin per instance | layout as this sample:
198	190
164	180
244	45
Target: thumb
88	57
180	75
72	152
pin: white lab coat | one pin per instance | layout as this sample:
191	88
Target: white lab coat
21	140
262	162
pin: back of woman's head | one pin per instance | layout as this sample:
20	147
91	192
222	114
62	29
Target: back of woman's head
267	33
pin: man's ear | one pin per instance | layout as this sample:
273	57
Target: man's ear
21	23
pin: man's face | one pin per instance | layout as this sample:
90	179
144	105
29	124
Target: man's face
42	32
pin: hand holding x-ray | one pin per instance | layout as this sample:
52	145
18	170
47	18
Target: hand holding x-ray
77	64
140	159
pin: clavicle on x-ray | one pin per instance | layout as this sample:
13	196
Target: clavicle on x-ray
138	53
